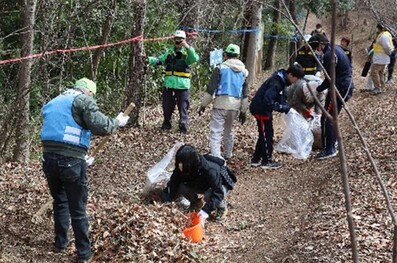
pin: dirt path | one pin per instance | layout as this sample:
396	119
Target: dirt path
294	214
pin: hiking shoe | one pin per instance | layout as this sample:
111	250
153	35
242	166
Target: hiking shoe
376	91
389	81
366	90
221	214
86	260
326	154
182	129
166	125
60	250
271	165
255	162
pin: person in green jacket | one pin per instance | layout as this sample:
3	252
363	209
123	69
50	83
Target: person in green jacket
68	121
177	61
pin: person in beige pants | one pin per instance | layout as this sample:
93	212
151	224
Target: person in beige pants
383	47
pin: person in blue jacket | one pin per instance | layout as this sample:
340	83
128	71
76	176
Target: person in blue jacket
271	96
68	122
343	83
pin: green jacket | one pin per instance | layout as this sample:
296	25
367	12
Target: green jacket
177	66
86	113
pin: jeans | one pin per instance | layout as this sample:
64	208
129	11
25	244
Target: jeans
67	181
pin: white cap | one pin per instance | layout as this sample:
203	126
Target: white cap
180	33
307	37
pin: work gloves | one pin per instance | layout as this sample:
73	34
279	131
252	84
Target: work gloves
242	117
122	119
201	110
203	216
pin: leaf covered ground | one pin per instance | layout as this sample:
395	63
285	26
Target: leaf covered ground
294	214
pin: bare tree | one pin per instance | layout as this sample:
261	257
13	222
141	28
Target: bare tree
272	46
22	148
135	88
107	26
252	48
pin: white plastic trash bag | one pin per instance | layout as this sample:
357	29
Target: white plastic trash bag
158	176
297	138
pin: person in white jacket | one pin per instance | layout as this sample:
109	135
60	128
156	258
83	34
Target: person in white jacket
383	47
228	88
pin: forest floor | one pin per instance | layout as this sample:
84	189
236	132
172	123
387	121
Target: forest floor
293	214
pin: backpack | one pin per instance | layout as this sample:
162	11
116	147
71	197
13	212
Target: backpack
229	177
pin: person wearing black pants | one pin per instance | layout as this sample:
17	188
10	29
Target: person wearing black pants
390	67
271	96
343	83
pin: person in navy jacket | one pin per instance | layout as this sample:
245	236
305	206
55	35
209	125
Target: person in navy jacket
343	83
271	96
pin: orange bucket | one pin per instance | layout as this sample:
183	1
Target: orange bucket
195	231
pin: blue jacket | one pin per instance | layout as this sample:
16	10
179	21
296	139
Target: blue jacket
231	82
271	95
343	72
59	124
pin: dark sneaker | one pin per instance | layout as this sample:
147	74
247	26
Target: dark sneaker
86	260
376	91
271	165
221	214
166	125
60	250
255	162
182	129
326	154
366	90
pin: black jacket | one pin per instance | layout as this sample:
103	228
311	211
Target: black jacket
271	95
208	176
307	60
343	72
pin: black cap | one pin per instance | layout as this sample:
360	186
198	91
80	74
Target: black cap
315	40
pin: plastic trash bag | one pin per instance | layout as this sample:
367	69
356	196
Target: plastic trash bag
158	176
298	137
312	83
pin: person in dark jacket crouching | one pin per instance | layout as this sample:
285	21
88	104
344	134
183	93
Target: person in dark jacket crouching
200	174
343	83
271	96
68	121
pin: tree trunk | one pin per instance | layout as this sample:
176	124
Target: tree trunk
252	49
22	147
292	44
136	83
272	46
107	26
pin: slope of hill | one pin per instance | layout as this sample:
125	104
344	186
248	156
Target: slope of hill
294	214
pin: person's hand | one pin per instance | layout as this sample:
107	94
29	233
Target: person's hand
242	117
122	119
89	160
203	216
184	43
201	110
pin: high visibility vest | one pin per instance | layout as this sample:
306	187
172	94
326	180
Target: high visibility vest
378	47
59	124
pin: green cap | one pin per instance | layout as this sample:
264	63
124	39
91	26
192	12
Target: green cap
233	49
86	84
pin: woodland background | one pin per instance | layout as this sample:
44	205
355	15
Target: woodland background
296	214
